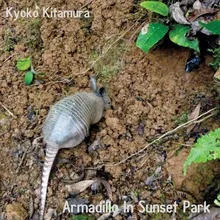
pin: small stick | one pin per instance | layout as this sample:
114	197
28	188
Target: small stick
205	118
9	112
182	144
89	2
7	59
162	136
144	161
58	81
22	160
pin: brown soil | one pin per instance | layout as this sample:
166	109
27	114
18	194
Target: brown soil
149	90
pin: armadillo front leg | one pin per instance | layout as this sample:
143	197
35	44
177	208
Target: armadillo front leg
48	163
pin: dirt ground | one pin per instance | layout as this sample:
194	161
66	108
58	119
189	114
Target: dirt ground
149	93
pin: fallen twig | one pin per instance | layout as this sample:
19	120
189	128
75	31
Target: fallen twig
85	5
205	118
22	160
195	120
9	112
7	59
145	161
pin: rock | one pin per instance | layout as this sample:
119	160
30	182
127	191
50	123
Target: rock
15	211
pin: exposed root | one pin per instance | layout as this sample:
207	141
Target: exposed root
9	112
195	120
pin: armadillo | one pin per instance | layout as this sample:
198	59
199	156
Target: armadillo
67	124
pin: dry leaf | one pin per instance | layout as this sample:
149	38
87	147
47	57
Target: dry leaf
134	197
119	211
107	187
177	13
214	214
195	112
196	27
50	213
196	14
95	145
105	216
153	177
197	5
144	30
209	3
80	186
217	75
192	116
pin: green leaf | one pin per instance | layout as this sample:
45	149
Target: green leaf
23	64
150	35
213	26
178	36
155	6
217	202
82	217
206	148
28	78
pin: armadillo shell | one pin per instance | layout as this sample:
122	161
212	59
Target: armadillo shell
68	121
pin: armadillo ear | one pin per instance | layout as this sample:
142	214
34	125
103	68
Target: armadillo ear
107	101
93	84
102	91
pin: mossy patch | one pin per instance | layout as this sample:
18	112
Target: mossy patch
107	61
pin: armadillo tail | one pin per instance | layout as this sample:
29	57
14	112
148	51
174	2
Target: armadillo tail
50	156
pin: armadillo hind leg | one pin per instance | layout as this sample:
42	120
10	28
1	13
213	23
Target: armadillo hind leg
50	156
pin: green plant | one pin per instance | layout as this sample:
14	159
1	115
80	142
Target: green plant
155	31
33	35
206	148
25	64
216	55
182	118
82	217
10	40
213	26
217	200
107	66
